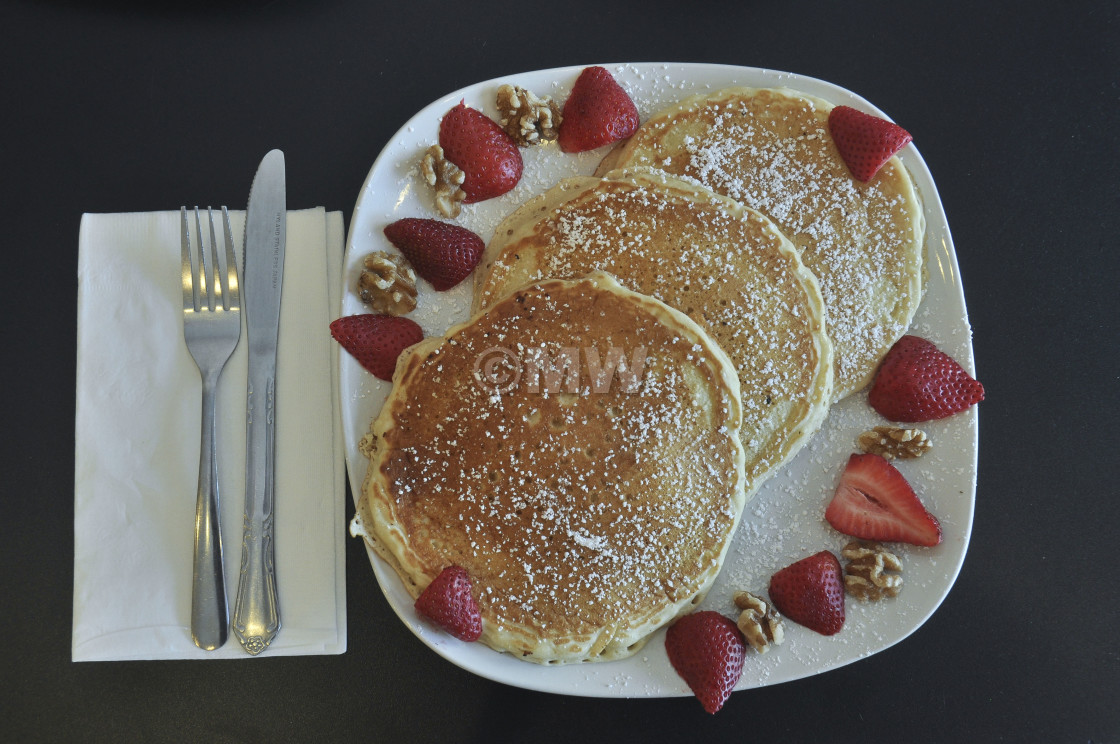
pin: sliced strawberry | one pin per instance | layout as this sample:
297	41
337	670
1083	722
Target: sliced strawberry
919	382
448	603
874	502
443	253
598	112
707	650
376	340
811	592
488	157
865	142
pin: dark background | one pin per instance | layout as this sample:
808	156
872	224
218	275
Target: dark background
110	107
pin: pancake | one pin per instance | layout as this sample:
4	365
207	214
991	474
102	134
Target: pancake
771	150
586	515
726	267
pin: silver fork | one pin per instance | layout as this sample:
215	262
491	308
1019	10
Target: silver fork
212	328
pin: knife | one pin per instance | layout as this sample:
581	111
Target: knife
256	614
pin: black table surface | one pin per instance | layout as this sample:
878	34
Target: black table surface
119	106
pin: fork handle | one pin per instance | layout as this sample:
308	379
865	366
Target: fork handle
209	610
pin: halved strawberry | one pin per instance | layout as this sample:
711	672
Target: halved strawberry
598	112
488	157
707	650
376	340
874	502
447	602
811	592
865	142
443	253
919	382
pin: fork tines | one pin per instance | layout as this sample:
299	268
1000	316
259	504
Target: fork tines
218	286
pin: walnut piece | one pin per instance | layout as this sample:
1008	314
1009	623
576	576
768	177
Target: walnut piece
367	445
387	284
760	622
526	118
446	178
891	442
866	577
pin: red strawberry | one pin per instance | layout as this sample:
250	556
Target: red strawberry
865	142
707	650
919	382
811	592
448	603
376	340
874	502
598	112
488	157
443	253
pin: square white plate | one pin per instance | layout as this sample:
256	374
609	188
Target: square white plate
785	519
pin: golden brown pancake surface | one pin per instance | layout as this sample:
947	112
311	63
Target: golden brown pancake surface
587	515
726	267
770	149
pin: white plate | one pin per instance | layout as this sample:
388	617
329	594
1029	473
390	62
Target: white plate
784	521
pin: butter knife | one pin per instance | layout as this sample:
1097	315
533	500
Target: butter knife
256	613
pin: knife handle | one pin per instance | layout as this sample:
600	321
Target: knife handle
256	614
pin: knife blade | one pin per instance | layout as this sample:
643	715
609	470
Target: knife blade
256	614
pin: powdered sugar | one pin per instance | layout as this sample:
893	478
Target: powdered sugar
577	509
725	268
772	152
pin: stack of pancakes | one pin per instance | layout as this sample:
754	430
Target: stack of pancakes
760	283
725	266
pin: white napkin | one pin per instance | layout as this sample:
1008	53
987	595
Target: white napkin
137	445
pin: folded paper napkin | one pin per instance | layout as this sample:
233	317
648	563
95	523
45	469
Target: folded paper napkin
137	444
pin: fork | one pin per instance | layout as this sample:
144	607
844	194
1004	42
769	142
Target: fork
212	328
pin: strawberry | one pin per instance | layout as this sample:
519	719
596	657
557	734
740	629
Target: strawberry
488	157
376	340
598	112
874	502
448	603
811	592
919	382
865	142
707	650
443	253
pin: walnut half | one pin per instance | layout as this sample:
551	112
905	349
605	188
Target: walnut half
387	284
526	118
447	180
891	442
866	577
760	622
